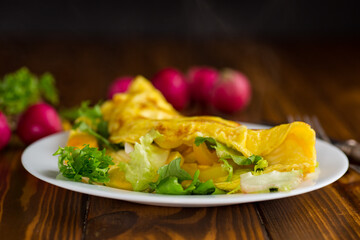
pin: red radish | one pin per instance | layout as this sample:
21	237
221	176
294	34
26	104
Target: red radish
120	85
232	92
5	132
38	121
172	84
202	80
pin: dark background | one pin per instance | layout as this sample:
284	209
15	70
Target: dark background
189	19
92	41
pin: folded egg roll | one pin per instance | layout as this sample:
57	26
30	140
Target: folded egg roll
143	110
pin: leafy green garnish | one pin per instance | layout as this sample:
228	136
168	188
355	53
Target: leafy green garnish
90	120
171	186
208	140
21	89
260	165
146	159
47	88
92	114
75	163
70	114
174	169
225	153
103	141
172	175
228	168
103	129
206	188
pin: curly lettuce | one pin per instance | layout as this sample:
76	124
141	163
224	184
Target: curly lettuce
77	164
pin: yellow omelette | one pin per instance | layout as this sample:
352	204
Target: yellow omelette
143	108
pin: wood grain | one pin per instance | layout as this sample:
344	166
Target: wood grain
169	223
32	209
320	214
294	78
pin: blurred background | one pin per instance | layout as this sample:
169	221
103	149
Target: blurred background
83	42
186	19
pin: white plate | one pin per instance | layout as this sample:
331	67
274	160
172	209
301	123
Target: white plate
38	160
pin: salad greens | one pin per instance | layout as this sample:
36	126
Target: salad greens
172	175
225	153
227	166
173	169
75	164
146	159
47	88
21	89
148	162
147	170
260	166
90	120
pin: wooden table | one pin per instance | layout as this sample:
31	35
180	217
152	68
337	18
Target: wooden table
314	77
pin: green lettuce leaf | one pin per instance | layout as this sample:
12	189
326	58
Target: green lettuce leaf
70	114
172	175
270	182
170	178
260	166
174	169
227	166
90	120
206	188
171	186
92	114
47	88
224	152
102	140
146	159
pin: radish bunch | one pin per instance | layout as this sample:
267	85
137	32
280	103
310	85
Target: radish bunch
5	132
22	96
227	91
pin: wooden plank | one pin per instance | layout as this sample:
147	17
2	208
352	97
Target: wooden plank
124	220
33	209
322	214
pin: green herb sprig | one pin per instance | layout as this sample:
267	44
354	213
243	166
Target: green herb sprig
75	163
90	120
